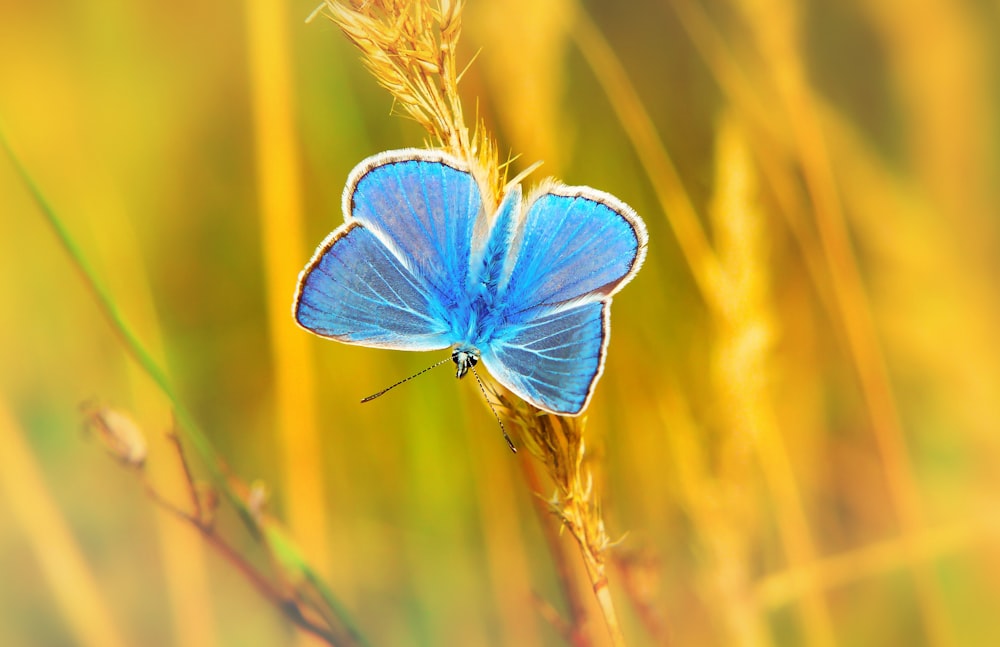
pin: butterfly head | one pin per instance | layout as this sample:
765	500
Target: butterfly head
465	357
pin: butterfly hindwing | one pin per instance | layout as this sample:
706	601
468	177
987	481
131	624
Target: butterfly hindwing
355	290
553	360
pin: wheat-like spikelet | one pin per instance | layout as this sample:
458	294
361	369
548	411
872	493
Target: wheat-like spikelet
410	48
557	441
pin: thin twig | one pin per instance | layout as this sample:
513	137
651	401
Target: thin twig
188	476
338	630
288	605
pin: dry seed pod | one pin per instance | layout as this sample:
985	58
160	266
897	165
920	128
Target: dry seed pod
119	434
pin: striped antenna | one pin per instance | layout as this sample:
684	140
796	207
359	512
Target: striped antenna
407	379
482	388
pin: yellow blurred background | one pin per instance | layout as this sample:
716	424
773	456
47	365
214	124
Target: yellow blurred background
797	434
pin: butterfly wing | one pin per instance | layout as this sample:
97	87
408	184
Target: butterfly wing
576	248
424	206
391	274
576	243
553	360
356	291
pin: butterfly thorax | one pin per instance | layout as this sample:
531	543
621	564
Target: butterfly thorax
475	322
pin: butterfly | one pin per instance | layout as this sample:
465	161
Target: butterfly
421	263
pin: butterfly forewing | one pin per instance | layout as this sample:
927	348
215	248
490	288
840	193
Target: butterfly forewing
576	242
425	208
356	291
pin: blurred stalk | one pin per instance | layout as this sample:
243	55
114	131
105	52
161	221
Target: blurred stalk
950	121
741	315
183	553
776	27
531	69
717	515
744	315
635	120
925	256
876	559
723	516
63	564
558	443
108	306
278	180
756	111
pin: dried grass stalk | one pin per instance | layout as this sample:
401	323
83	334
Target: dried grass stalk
410	47
557	441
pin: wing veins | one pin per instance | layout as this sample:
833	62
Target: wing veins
433	241
404	273
562	263
350	288
561	331
539	258
374	297
548	357
376	303
388	255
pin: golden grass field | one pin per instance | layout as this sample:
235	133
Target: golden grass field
796	440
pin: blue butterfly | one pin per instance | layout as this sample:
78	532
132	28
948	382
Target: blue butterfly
421	263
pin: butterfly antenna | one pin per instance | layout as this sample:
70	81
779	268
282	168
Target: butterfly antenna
404	380
482	388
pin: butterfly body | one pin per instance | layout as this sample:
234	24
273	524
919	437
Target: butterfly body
421	263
